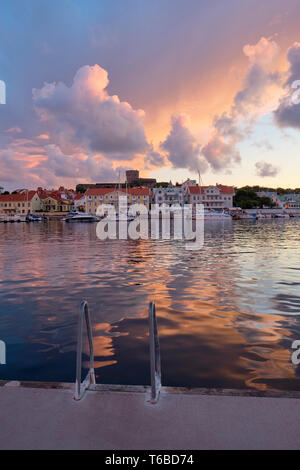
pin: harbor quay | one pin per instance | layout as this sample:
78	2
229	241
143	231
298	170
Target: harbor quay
45	416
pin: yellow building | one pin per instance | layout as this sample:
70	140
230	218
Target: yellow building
94	197
53	204
20	203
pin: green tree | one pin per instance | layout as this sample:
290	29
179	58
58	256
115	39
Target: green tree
80	188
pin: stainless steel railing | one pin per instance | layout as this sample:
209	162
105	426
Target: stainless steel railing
155	362
81	387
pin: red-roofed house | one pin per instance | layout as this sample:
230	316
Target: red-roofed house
20	203
94	197
54	203
213	197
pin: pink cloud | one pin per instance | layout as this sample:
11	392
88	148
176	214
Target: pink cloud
84	117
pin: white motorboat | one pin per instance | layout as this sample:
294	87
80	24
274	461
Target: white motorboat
80	217
212	214
13	218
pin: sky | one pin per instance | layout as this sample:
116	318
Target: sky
169	87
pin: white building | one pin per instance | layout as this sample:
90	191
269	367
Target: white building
170	195
212	197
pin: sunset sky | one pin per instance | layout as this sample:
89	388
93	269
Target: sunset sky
169	87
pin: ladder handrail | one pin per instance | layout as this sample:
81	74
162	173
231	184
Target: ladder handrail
81	387
155	361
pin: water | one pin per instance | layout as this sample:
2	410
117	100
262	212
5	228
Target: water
227	314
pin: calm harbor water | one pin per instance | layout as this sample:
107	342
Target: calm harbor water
227	314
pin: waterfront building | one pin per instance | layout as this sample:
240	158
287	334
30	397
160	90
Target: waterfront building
284	201
20	203
56	204
169	196
133	178
57	200
212	197
79	202
288	201
94	197
271	195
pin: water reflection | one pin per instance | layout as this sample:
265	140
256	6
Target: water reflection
227	314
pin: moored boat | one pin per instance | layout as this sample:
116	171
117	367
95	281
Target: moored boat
80	217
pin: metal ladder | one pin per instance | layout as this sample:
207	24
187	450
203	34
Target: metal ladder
81	387
155	361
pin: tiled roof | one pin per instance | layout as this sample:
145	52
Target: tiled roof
20	197
138	191
194	189
226	189
200	190
103	191
99	191
78	196
57	199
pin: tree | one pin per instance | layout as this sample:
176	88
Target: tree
80	188
247	198
267	202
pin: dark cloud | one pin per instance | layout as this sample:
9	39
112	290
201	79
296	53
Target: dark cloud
288	112
181	147
76	167
155	159
221	154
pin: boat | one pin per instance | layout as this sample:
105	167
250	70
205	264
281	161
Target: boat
80	217
33	218
13	218
212	214
120	217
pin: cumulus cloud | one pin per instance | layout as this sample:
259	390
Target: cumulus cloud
265	169
84	117
154	158
181	147
263	53
76	166
221	150
84	134
288	112
221	153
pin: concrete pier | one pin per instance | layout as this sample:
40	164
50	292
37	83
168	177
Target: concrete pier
45	416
